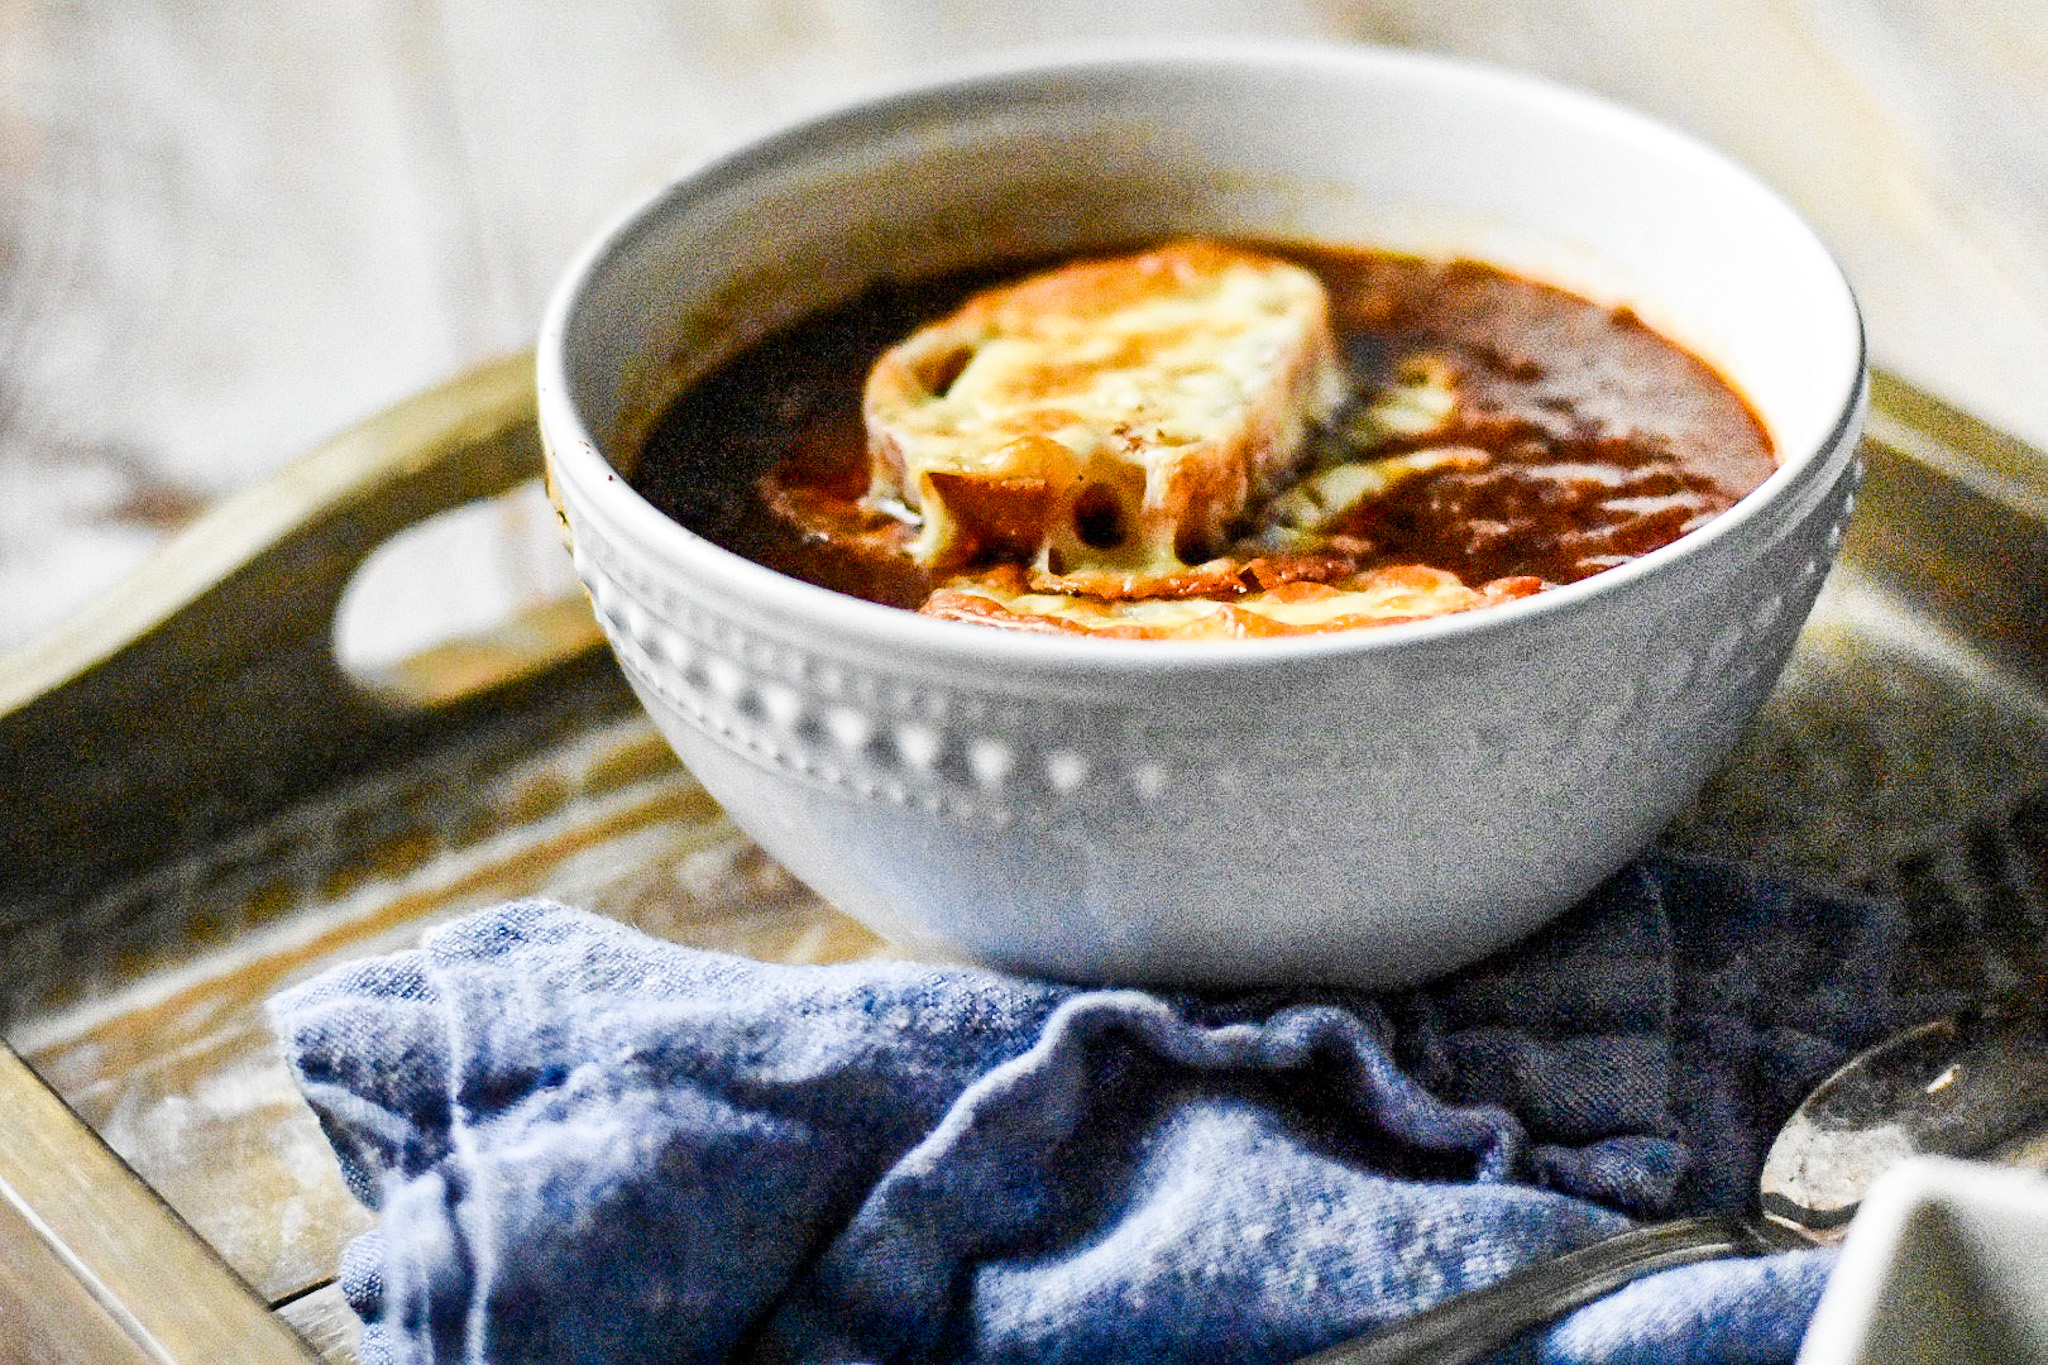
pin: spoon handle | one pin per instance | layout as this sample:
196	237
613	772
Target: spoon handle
1472	1326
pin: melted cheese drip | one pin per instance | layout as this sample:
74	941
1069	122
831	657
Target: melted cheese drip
1404	592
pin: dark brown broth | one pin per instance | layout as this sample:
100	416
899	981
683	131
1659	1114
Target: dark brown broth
1607	440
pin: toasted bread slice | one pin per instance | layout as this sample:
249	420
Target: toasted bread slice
1386	596
1116	414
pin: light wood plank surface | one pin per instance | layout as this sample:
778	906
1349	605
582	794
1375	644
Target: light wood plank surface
223	237
62	1192
172	1064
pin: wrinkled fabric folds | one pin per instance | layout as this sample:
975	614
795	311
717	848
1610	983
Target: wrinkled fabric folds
584	1144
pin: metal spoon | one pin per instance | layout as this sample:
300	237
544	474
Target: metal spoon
1973	1085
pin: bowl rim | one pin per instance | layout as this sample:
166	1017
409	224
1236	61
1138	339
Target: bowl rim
578	470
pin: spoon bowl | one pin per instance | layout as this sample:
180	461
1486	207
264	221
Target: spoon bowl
1973	1085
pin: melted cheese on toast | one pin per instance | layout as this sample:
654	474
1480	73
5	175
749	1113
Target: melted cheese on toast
1114	415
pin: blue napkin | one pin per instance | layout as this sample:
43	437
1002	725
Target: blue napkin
588	1145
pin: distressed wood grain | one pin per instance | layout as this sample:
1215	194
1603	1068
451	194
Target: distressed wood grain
172	1062
70	1213
325	1320
223	237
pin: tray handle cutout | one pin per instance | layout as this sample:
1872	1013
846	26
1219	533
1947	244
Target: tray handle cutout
205	691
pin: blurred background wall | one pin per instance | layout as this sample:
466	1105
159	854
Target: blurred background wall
229	230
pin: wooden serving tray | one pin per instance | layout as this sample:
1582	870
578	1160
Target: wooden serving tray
205	808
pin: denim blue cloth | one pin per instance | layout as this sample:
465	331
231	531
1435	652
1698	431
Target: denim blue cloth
588	1145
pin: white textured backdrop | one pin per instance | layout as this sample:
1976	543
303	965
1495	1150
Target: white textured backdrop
227	231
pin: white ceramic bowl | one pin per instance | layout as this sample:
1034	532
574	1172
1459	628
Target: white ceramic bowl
1946	1264
1372	807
